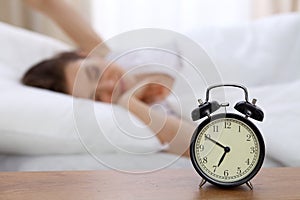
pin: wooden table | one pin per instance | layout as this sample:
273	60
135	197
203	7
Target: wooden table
273	183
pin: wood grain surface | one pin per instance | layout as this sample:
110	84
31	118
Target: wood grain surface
271	183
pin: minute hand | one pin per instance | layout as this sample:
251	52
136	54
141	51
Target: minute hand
214	141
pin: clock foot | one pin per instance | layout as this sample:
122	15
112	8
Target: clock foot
202	183
249	184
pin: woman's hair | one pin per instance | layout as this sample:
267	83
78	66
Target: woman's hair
50	73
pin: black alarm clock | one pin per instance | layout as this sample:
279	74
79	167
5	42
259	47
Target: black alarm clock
227	149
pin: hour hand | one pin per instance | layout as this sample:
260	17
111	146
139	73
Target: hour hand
214	141
222	158
226	150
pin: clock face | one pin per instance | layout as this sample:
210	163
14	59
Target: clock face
227	150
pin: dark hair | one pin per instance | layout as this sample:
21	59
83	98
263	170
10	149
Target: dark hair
50	73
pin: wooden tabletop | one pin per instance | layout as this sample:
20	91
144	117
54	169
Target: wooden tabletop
272	183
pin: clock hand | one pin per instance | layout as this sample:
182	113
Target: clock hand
226	150
222	158
214	141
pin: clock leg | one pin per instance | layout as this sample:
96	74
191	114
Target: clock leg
249	184
202	183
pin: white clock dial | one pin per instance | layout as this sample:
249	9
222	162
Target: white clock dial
227	150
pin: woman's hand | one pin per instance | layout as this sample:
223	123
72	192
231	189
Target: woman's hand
147	92
134	94
154	92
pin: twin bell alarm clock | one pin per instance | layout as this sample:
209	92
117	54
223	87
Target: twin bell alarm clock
227	149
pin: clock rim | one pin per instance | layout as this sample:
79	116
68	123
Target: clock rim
261	155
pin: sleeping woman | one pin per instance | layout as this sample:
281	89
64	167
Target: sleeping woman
135	92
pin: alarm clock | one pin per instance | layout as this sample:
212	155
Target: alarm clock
227	149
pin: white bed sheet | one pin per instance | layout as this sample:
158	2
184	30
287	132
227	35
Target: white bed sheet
116	161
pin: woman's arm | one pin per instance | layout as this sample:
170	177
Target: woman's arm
72	22
169	129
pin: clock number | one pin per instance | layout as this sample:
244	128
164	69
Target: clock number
239	129
228	125
226	173
248	137
239	171
248	161
203	160
215	128
201	147
252	150
215	168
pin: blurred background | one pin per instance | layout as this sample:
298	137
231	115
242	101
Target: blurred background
264	56
111	17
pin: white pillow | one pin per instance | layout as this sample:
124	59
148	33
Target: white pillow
36	121
146	51
20	48
255	54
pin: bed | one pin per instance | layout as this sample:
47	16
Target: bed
263	55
